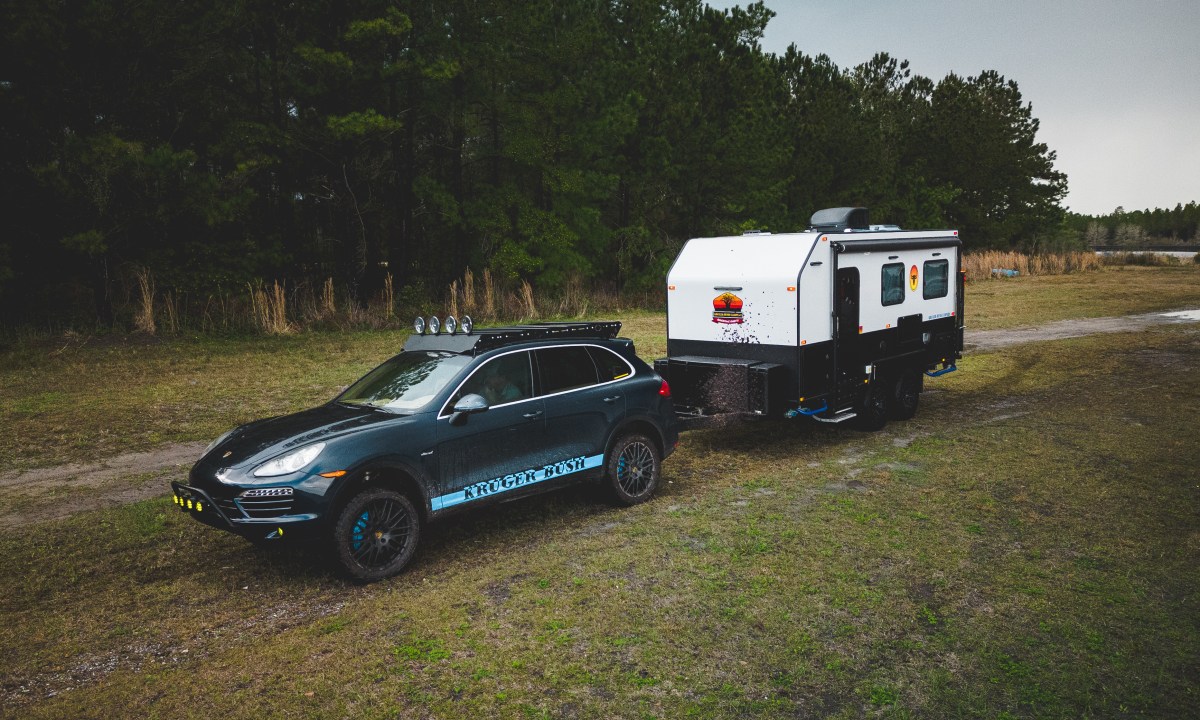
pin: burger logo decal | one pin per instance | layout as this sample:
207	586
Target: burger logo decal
727	309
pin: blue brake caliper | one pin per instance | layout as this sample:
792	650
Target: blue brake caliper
360	528
621	466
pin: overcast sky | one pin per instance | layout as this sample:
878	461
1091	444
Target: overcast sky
1115	83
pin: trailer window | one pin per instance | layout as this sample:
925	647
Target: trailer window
937	278
893	283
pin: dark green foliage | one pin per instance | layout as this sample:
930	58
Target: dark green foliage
218	144
1140	228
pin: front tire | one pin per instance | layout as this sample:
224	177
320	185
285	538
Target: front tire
375	535
633	470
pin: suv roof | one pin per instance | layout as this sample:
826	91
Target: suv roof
483	339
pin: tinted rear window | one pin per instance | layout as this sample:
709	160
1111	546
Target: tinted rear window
565	368
609	364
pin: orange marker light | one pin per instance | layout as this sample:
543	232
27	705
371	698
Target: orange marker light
670	287
791	288
860	329
803	342
333	474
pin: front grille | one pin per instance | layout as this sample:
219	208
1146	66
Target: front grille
262	503
229	507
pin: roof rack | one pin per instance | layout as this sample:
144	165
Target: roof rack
486	338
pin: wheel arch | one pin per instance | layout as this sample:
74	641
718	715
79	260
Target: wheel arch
637	425
386	473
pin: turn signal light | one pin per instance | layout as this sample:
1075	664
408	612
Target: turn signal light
664	389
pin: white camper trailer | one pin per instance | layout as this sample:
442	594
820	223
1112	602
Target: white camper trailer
837	322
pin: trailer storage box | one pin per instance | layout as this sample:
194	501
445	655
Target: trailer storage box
716	385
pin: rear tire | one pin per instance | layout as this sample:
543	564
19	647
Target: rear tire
633	469
906	396
873	409
375	535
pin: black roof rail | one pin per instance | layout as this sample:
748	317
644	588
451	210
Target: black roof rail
482	339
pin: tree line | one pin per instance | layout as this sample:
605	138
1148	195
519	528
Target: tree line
1178	226
216	144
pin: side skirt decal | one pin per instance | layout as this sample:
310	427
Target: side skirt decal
519	479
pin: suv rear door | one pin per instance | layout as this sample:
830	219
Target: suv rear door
582	404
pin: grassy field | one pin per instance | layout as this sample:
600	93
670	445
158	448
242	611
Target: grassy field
1026	547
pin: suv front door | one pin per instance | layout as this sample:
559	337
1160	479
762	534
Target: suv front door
497	452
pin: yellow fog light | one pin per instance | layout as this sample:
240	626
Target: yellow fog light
199	507
189	504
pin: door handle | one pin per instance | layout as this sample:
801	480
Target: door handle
612	399
532	415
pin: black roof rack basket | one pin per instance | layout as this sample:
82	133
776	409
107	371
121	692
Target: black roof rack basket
486	338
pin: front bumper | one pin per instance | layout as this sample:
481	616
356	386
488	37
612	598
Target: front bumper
258	517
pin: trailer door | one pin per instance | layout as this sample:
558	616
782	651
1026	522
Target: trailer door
847	302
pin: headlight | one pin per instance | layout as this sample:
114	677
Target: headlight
216	442
291	462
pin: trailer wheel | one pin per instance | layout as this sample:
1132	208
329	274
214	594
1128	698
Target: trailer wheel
906	396
873	410
633	469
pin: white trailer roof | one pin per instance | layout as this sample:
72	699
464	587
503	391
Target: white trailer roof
774	259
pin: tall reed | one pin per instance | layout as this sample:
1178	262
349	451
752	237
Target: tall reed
270	309
143	318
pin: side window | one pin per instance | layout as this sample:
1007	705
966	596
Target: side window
937	279
609	364
565	368
893	283
501	380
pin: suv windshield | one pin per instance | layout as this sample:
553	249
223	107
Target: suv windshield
406	382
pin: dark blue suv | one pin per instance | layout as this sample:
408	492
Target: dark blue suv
455	421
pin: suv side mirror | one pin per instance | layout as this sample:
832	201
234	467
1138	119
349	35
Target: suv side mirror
468	405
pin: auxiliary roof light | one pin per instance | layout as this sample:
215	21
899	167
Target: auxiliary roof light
419	325
467	324
435	325
451	324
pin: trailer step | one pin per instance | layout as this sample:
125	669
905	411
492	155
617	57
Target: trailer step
840	417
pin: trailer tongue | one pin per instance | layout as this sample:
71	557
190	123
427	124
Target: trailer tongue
837	322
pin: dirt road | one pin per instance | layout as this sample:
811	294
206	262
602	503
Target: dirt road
57	492
988	340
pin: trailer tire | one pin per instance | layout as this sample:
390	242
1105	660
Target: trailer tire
873	410
906	396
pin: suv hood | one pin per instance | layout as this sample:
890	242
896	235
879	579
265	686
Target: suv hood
261	440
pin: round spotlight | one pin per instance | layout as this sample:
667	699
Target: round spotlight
419	325
467	324
451	324
435	325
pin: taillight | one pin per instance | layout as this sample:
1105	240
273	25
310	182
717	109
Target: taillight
664	389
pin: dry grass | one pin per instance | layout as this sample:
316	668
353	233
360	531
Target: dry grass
1021	549
270	309
143	319
979	265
